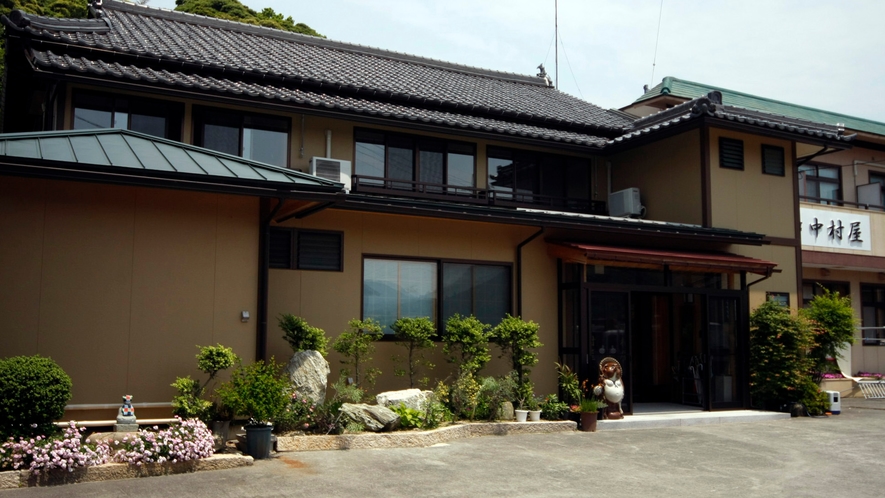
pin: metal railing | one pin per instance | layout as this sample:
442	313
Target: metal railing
835	202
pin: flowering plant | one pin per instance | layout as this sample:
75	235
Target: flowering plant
188	440
43	453
298	415
872	375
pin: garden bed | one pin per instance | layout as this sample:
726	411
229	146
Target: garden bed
417	439
111	471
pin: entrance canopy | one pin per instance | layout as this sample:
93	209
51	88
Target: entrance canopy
657	258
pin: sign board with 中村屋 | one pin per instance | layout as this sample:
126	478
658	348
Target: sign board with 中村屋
835	229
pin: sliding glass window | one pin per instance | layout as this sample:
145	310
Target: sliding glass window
258	137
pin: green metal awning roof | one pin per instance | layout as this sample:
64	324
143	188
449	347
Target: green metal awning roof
691	90
126	154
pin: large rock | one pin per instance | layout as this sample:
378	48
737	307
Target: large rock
373	417
415	399
308	373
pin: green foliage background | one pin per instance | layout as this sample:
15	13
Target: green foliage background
233	10
33	393
833	322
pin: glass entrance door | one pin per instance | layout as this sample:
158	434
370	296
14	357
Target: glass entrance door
723	337
609	311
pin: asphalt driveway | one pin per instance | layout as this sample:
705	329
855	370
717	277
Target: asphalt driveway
828	457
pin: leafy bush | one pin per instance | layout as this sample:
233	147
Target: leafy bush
189	402
552	408
298	414
33	393
517	337
256	391
301	336
466	341
356	346
41	453
416	335
409	418
832	319
183	441
492	392
569	384
779	367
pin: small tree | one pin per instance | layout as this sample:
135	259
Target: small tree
33	393
466	341
189	402
517	337
416	335
301	336
832	319
356	345
779	366
256	391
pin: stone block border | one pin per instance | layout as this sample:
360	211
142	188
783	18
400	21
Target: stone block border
111	471
418	439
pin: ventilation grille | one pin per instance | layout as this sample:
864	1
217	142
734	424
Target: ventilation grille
731	153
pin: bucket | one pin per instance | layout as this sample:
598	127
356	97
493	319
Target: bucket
258	441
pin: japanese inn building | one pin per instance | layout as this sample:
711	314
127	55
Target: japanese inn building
169	180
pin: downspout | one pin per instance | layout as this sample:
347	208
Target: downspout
263	282
329	144
519	270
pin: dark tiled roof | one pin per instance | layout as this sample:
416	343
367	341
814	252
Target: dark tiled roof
129	152
711	105
307	97
245	52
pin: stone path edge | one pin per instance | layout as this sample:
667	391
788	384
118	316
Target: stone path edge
112	471
418	439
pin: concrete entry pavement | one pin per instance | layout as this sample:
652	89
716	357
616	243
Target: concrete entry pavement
832	457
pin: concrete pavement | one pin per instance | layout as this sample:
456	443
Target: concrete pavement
839	456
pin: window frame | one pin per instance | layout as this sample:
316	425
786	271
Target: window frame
766	167
199	119
541	161
415	142
782	298
294	253
731	142
804	170
171	111
439	321
879	339
880	179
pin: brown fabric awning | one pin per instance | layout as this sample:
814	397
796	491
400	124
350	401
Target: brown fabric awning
656	258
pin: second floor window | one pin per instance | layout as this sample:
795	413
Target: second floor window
880	179
818	183
428	161
153	117
262	138
535	178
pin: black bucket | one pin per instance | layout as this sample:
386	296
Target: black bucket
258	441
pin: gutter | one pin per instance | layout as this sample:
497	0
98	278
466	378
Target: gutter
519	270
263	283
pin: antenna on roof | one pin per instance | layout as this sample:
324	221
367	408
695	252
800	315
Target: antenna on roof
556	38
657	38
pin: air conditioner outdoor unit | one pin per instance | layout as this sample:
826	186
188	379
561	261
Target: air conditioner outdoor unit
625	203
336	170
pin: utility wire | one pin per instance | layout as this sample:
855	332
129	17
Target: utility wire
570	67
657	38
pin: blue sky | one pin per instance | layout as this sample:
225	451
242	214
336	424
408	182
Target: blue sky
822	54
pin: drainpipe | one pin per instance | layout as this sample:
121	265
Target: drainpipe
329	144
519	270
263	276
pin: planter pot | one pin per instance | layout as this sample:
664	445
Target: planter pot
258	441
221	428
588	421
521	415
534	415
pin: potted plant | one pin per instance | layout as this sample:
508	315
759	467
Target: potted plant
589	410
534	408
258	392
521	414
189	402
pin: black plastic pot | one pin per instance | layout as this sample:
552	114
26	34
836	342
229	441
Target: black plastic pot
258	441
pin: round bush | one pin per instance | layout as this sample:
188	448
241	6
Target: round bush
33	393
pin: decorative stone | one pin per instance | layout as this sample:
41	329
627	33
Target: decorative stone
415	399
308	373
373	417
126	416
506	412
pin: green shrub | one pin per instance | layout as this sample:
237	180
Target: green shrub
356	346
466	342
833	322
409	418
256	391
492	392
416	335
301	336
33	393
517	338
569	384
552	408
189	402
780	371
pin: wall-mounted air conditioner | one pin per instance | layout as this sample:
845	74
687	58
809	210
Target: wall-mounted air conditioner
336	170
625	203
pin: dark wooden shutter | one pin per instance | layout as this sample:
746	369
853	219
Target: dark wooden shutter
731	153
773	160
280	248
320	250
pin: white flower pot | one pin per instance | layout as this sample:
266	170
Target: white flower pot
521	415
534	415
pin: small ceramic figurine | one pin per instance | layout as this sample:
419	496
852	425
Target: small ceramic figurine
126	416
610	388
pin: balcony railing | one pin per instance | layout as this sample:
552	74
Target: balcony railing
835	202
472	195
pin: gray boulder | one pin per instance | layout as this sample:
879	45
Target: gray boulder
415	399
308	373
373	417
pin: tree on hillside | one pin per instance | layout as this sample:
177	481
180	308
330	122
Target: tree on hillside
233	10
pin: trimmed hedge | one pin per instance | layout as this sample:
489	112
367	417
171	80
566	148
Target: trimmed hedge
33	393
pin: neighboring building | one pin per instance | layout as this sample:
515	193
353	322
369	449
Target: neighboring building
454	189
841	205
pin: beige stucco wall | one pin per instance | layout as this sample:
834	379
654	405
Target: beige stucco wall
329	299
119	284
668	175
748	199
